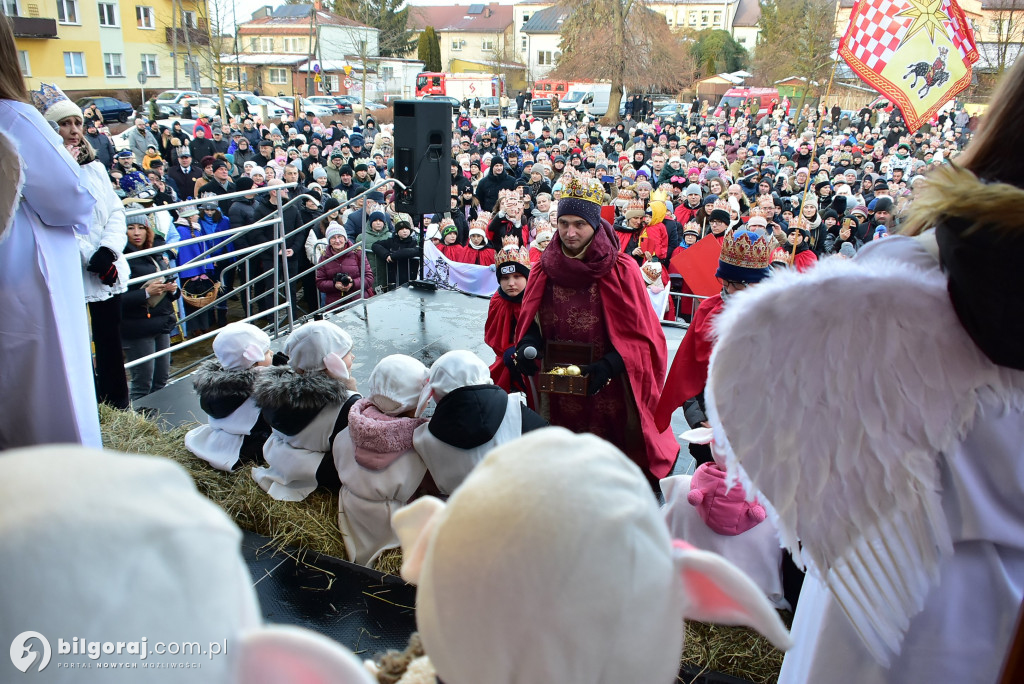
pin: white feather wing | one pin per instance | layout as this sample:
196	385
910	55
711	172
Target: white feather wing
11	181
843	442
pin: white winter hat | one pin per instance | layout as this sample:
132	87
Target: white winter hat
534	573
240	345
451	371
334	228
476	230
150	557
319	345
433	232
396	383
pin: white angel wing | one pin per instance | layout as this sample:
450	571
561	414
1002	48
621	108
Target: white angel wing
844	441
11	180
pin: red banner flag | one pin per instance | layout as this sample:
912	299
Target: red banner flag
917	53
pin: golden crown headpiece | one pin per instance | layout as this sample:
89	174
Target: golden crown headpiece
542	226
722	204
446	226
479	222
506	195
635	208
744	249
626	194
509	242
484	216
511	257
759	211
586	189
652	272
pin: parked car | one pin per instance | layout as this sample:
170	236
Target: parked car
121	139
319	110
201	106
541	107
453	101
356	102
331	103
168	98
287	107
111	108
670	109
491	106
257	105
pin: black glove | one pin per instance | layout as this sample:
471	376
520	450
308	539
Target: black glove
279	359
532	339
102	264
601	372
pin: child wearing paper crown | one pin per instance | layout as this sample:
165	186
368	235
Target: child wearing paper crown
472	417
709	514
477	251
306	404
236	431
378	466
552	565
512	267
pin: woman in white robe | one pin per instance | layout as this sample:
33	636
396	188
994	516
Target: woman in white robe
45	362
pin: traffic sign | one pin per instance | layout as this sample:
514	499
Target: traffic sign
349	83
142	78
348	70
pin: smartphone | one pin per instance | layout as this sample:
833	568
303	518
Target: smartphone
607	179
169	279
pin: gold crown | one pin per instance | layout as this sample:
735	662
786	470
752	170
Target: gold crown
505	195
722	204
745	250
484	216
513	255
586	189
542	226
626	194
509	242
651	271
636	207
759	211
479	222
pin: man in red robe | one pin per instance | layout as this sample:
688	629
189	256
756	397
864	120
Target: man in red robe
743	262
585	291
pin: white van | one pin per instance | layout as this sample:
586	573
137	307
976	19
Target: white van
594	96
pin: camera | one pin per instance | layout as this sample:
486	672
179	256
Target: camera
343	278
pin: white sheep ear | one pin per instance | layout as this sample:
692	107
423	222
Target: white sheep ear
717	591
414	525
668	487
335	366
282	654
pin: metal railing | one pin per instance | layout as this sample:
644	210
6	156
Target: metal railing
280	291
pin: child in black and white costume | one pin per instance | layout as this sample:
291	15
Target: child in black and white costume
472	417
236	431
306	405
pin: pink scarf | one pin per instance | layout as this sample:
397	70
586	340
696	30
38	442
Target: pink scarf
379	439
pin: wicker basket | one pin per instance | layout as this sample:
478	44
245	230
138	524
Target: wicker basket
197	298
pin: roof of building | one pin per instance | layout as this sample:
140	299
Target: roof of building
546	20
294	19
748	13
477	18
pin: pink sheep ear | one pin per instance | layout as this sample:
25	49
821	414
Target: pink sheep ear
414	525
253	354
756	512
694	497
717	591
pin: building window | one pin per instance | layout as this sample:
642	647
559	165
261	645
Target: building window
112	65
278	76
523	45
333	83
456	45
74	64
545	58
487	45
263	44
188	19
717	18
26	68
150	65
230	75
10	8
704	18
293	45
669	20
997	26
387	73
67	11
693	18
742	40
144	17
108	14
526	17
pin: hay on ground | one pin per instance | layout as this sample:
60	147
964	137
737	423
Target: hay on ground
313	525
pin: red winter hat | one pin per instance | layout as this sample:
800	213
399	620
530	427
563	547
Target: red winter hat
725	512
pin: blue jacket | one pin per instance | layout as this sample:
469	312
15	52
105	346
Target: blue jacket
187	253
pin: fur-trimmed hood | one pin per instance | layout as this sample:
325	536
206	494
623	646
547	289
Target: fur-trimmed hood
291	400
952	192
221	391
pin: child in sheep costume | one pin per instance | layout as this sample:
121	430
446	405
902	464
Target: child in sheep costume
306	405
705	511
378	466
152	558
236	430
472	417
532	573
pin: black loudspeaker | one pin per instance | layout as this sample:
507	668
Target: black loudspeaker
423	156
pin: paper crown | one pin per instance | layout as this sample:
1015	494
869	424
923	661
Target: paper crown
759	211
478	222
506	195
626	194
635	208
651	271
722	204
53	104
512	260
509	243
542	226
447	226
485	216
744	257
586	189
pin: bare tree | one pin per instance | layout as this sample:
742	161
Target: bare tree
797	38
1008	29
624	42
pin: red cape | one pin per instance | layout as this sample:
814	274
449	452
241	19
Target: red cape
499	335
634	331
689	372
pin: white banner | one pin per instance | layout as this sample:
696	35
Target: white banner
452	275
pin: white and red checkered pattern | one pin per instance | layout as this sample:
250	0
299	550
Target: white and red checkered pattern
960	32
875	32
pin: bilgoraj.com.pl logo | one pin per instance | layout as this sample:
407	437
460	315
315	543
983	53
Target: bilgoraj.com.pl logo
32	649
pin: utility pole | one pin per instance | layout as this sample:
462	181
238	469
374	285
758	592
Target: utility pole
174	40
310	84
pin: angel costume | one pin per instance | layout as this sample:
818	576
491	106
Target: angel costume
898	474
46	366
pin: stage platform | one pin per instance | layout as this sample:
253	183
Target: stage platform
421	323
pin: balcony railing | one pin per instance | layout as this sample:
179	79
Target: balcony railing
34	27
196	36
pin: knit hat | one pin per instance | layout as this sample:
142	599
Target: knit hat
692	189
720	215
184	577
319	345
447	227
744	257
240	345
377	216
319	173
396	383
524	541
334	228
725	510
848	250
582	197
244	183
512	259
53	104
451	371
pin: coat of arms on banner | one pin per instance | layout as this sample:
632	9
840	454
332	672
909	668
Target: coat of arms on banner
918	53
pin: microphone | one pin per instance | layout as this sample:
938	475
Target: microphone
530	352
